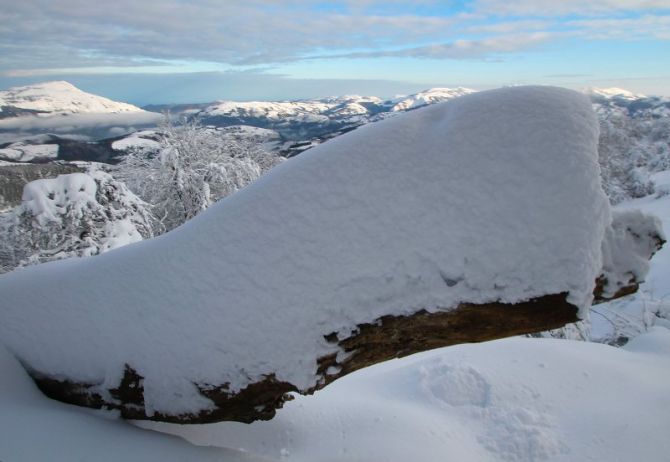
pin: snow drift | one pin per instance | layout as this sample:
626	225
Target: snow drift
493	197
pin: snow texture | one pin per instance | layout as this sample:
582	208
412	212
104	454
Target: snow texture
494	196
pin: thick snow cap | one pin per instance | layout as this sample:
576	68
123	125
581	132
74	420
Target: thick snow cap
493	196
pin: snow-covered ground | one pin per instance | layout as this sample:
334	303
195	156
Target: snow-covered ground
517	399
510	400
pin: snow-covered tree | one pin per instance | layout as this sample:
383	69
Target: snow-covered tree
194	167
73	215
630	149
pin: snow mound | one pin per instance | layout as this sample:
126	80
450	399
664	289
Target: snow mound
494	196
60	97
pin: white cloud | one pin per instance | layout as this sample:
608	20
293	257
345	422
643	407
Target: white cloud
55	36
460	49
566	7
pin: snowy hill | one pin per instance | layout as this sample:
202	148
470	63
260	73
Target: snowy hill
56	97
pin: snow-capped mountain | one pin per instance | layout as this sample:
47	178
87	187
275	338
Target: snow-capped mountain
295	120
58	97
304	119
619	102
431	96
612	92
316	110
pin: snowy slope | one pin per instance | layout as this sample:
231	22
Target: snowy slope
59	97
494	196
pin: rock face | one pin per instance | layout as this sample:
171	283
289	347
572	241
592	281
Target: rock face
465	221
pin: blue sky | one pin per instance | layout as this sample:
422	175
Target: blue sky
155	51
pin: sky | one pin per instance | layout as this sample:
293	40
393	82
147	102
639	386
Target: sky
181	51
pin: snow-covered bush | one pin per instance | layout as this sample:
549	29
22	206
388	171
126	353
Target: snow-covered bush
193	167
73	215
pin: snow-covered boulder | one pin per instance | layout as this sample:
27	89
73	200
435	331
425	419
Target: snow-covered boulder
463	221
630	242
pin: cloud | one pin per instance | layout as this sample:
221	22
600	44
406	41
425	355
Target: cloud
566	7
47	37
253	31
459	49
624	28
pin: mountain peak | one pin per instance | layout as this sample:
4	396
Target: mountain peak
429	96
613	92
60	96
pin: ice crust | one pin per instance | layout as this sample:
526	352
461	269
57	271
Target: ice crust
493	196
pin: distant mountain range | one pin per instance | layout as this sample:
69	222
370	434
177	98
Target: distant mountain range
61	122
303	119
617	100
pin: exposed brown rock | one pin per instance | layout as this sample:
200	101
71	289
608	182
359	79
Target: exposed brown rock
386	338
